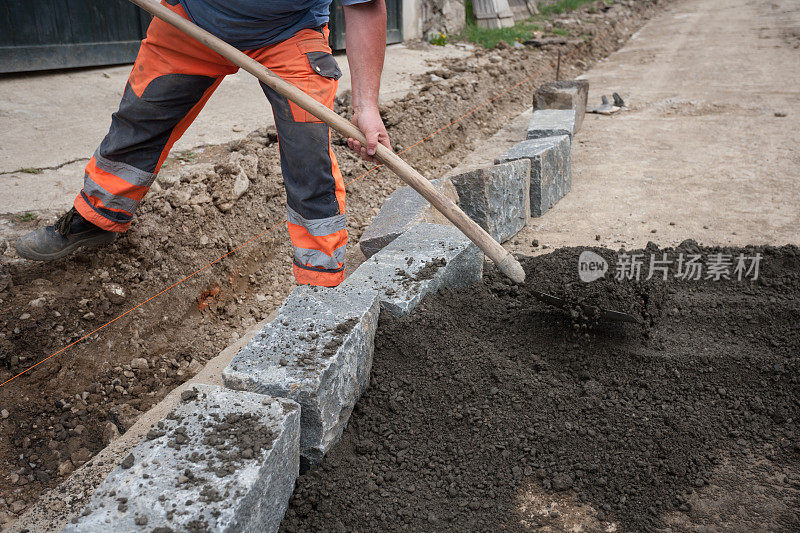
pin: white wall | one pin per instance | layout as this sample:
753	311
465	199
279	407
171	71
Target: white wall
420	17
412	24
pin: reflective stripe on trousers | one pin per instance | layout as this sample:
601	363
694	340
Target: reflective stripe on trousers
169	84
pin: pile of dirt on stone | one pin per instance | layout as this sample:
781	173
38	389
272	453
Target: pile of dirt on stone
549	274
486	411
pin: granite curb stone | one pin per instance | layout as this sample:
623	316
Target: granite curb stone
551	169
401	210
222	460
426	258
550	123
497	197
564	94
318	352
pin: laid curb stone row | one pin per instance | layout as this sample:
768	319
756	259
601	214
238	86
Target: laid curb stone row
550	169
559	109
317	352
227	459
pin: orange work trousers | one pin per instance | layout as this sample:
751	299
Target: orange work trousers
171	80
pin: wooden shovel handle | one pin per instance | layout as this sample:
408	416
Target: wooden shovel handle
504	260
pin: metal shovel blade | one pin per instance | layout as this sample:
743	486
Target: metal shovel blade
589	310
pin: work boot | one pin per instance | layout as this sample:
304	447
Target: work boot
69	233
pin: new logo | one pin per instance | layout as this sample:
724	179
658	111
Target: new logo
591	266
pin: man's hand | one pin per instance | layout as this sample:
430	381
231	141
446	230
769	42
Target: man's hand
365	36
369	122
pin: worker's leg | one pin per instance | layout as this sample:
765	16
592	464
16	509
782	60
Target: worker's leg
170	82
314	186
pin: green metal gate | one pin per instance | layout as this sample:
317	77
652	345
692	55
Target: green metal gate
50	34
54	34
394	23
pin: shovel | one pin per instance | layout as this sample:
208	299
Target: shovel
588	310
500	256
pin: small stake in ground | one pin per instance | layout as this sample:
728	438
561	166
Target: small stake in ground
558	65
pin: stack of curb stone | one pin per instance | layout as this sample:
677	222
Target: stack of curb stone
226	459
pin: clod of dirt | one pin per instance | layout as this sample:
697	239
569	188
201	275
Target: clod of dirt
189	394
487	411
339	333
115	293
427	271
234	438
128	461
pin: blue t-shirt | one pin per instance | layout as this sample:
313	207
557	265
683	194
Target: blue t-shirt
250	24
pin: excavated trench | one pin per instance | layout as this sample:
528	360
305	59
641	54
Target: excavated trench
57	416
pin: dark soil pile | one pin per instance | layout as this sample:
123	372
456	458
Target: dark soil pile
485	401
641	300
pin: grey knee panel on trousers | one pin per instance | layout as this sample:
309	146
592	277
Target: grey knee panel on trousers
142	126
305	161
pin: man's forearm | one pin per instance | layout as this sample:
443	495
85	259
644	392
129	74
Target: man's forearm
365	36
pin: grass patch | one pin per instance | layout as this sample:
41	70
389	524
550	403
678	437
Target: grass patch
27	217
488	38
521	31
562	6
31	170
